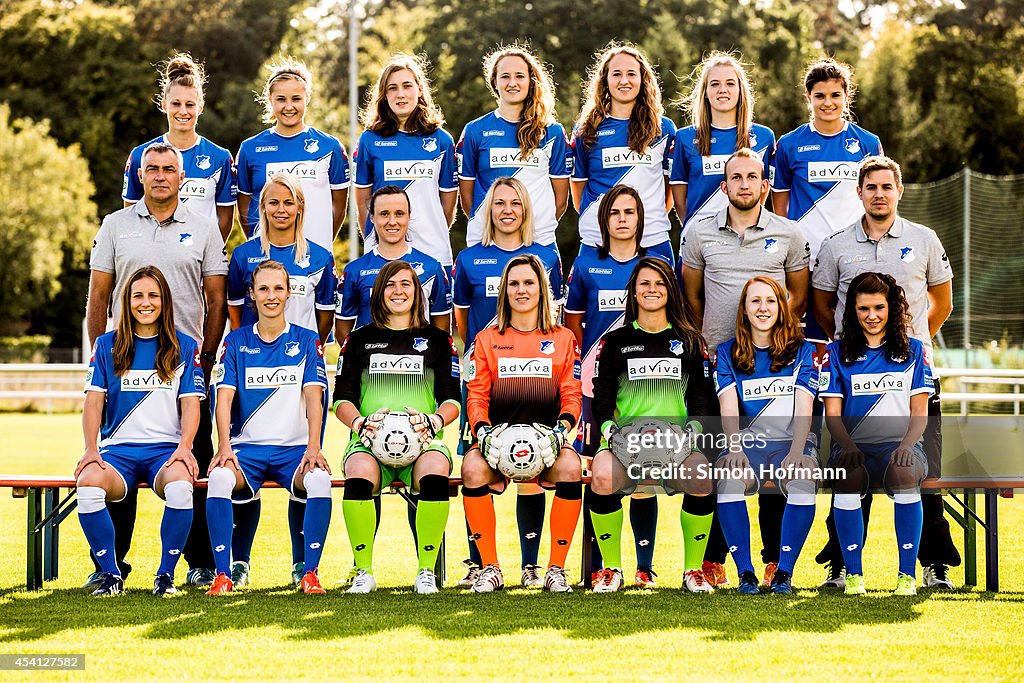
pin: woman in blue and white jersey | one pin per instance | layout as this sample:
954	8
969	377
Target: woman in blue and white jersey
142	402
815	167
766	380
290	146
209	186
622	137
721	108
281	237
596	304
508	231
405	145
521	139
875	381
271	381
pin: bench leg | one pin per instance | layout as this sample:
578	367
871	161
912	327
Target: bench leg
439	564
51	534
34	549
991	540
970	539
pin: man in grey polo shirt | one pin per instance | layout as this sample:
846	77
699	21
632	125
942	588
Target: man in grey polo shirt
189	251
884	242
720	253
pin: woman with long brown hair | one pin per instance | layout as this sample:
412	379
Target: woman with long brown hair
141	413
766	380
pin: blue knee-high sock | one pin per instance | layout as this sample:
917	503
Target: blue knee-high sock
99	532
736	527
530	519
220	521
173	533
315	522
247	519
909	519
796	524
296	521
643	517
850	531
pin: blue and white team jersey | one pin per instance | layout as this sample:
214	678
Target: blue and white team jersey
268	378
876	391
488	150
141	408
353	301
313	282
766	398
423	166
209	178
703	175
597	288
317	159
820	173
478	272
610	162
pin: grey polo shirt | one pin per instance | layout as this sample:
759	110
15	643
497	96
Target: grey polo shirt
773	247
186	248
909	252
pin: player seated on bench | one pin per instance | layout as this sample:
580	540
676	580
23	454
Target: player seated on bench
143	389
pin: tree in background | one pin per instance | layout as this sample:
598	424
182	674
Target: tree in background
48	219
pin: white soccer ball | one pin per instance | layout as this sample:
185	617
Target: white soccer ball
396	443
649	443
520	449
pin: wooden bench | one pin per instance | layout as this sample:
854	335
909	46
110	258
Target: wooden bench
46	510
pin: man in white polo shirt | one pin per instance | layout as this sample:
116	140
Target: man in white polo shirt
188	249
720	253
884	242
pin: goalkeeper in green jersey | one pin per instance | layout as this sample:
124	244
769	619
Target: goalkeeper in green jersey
652	374
398	362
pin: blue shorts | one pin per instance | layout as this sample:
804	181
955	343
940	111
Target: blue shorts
137	463
260	464
876	459
663	249
772	454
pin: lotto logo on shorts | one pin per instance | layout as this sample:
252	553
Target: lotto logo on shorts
611	300
395	364
654	368
832	172
714	164
878	383
524	367
144	380
271	378
408	170
617	157
509	157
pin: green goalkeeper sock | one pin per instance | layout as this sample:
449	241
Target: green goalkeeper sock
695	538
431	519
608	531
361	522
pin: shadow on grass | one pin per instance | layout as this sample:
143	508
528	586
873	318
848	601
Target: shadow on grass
454	614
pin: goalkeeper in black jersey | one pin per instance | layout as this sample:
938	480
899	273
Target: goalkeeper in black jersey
651	374
397	362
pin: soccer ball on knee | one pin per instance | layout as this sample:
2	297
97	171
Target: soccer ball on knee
519	448
396	443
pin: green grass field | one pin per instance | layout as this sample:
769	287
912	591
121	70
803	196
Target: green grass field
268	632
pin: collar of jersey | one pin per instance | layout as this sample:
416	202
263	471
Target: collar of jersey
636	326
724	127
199	138
256	331
288	137
380	255
895	230
143	210
846	124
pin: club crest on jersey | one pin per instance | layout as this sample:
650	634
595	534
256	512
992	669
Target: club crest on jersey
291	349
753	140
676	347
419	344
907	254
547	347
771	245
417	268
429	144
311	145
203	161
185	239
852	145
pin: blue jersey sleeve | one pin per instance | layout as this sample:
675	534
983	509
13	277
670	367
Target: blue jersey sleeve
555	275
560	163
244	173
236	279
680	169
99	374
576	299
314	371
338	172
466	152
449	179
807	371
364	161
132	189
327	287
462	289
580	166
348	299
781	174
832	381
191	383
922	381
227	185
725	377
668	129
769	152
441	300
227	374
